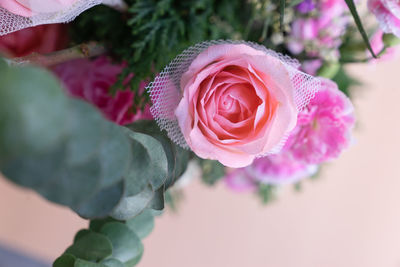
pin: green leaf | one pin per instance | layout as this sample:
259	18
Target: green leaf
157	202
24	99
142	224
130	207
282	4
91	247
96	224
177	157
83	263
112	263
354	13
102	203
81	233
65	260
213	171
127	247
150	161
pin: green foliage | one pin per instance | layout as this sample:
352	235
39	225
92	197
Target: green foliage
266	192
357	20
345	81
66	151
152	32
108	243
212	171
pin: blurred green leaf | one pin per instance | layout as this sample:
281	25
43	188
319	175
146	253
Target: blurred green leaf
112	263
102	203
81	233
213	171
130	207
91	247
142	224
127	247
83	263
65	260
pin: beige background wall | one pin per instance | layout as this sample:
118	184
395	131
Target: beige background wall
348	218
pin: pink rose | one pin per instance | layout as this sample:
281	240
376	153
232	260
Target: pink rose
28	8
323	128
388	14
92	81
238	103
40	39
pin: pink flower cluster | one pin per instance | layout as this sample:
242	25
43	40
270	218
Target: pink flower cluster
322	132
318	33
388	14
92	81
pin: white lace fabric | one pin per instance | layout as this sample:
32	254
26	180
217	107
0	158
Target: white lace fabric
10	22
165	91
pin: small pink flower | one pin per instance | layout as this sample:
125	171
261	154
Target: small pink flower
92	80
320	33
237	104
40	39
388	14
28	8
240	181
281	168
277	169
323	129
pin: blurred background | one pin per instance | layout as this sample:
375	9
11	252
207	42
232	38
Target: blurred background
349	217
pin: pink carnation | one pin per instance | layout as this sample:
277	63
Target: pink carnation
319	34
40	39
276	169
388	14
324	127
92	81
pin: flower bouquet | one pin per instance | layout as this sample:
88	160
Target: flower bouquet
111	113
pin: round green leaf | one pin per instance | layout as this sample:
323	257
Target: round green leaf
127	247
149	160
91	247
65	260
142	224
129	207
81	233
102	203
112	263
33	111
83	263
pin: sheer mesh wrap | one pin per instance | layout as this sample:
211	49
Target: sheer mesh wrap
165	91
10	22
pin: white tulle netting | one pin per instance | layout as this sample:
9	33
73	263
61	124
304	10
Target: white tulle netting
10	22
165	91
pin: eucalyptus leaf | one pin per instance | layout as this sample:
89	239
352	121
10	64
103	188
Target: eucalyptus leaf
83	263
81	233
102	203
126	245
130	207
113	263
149	161
91	247
33	111
142	224
65	260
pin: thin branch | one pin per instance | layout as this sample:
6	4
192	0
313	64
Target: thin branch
80	51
